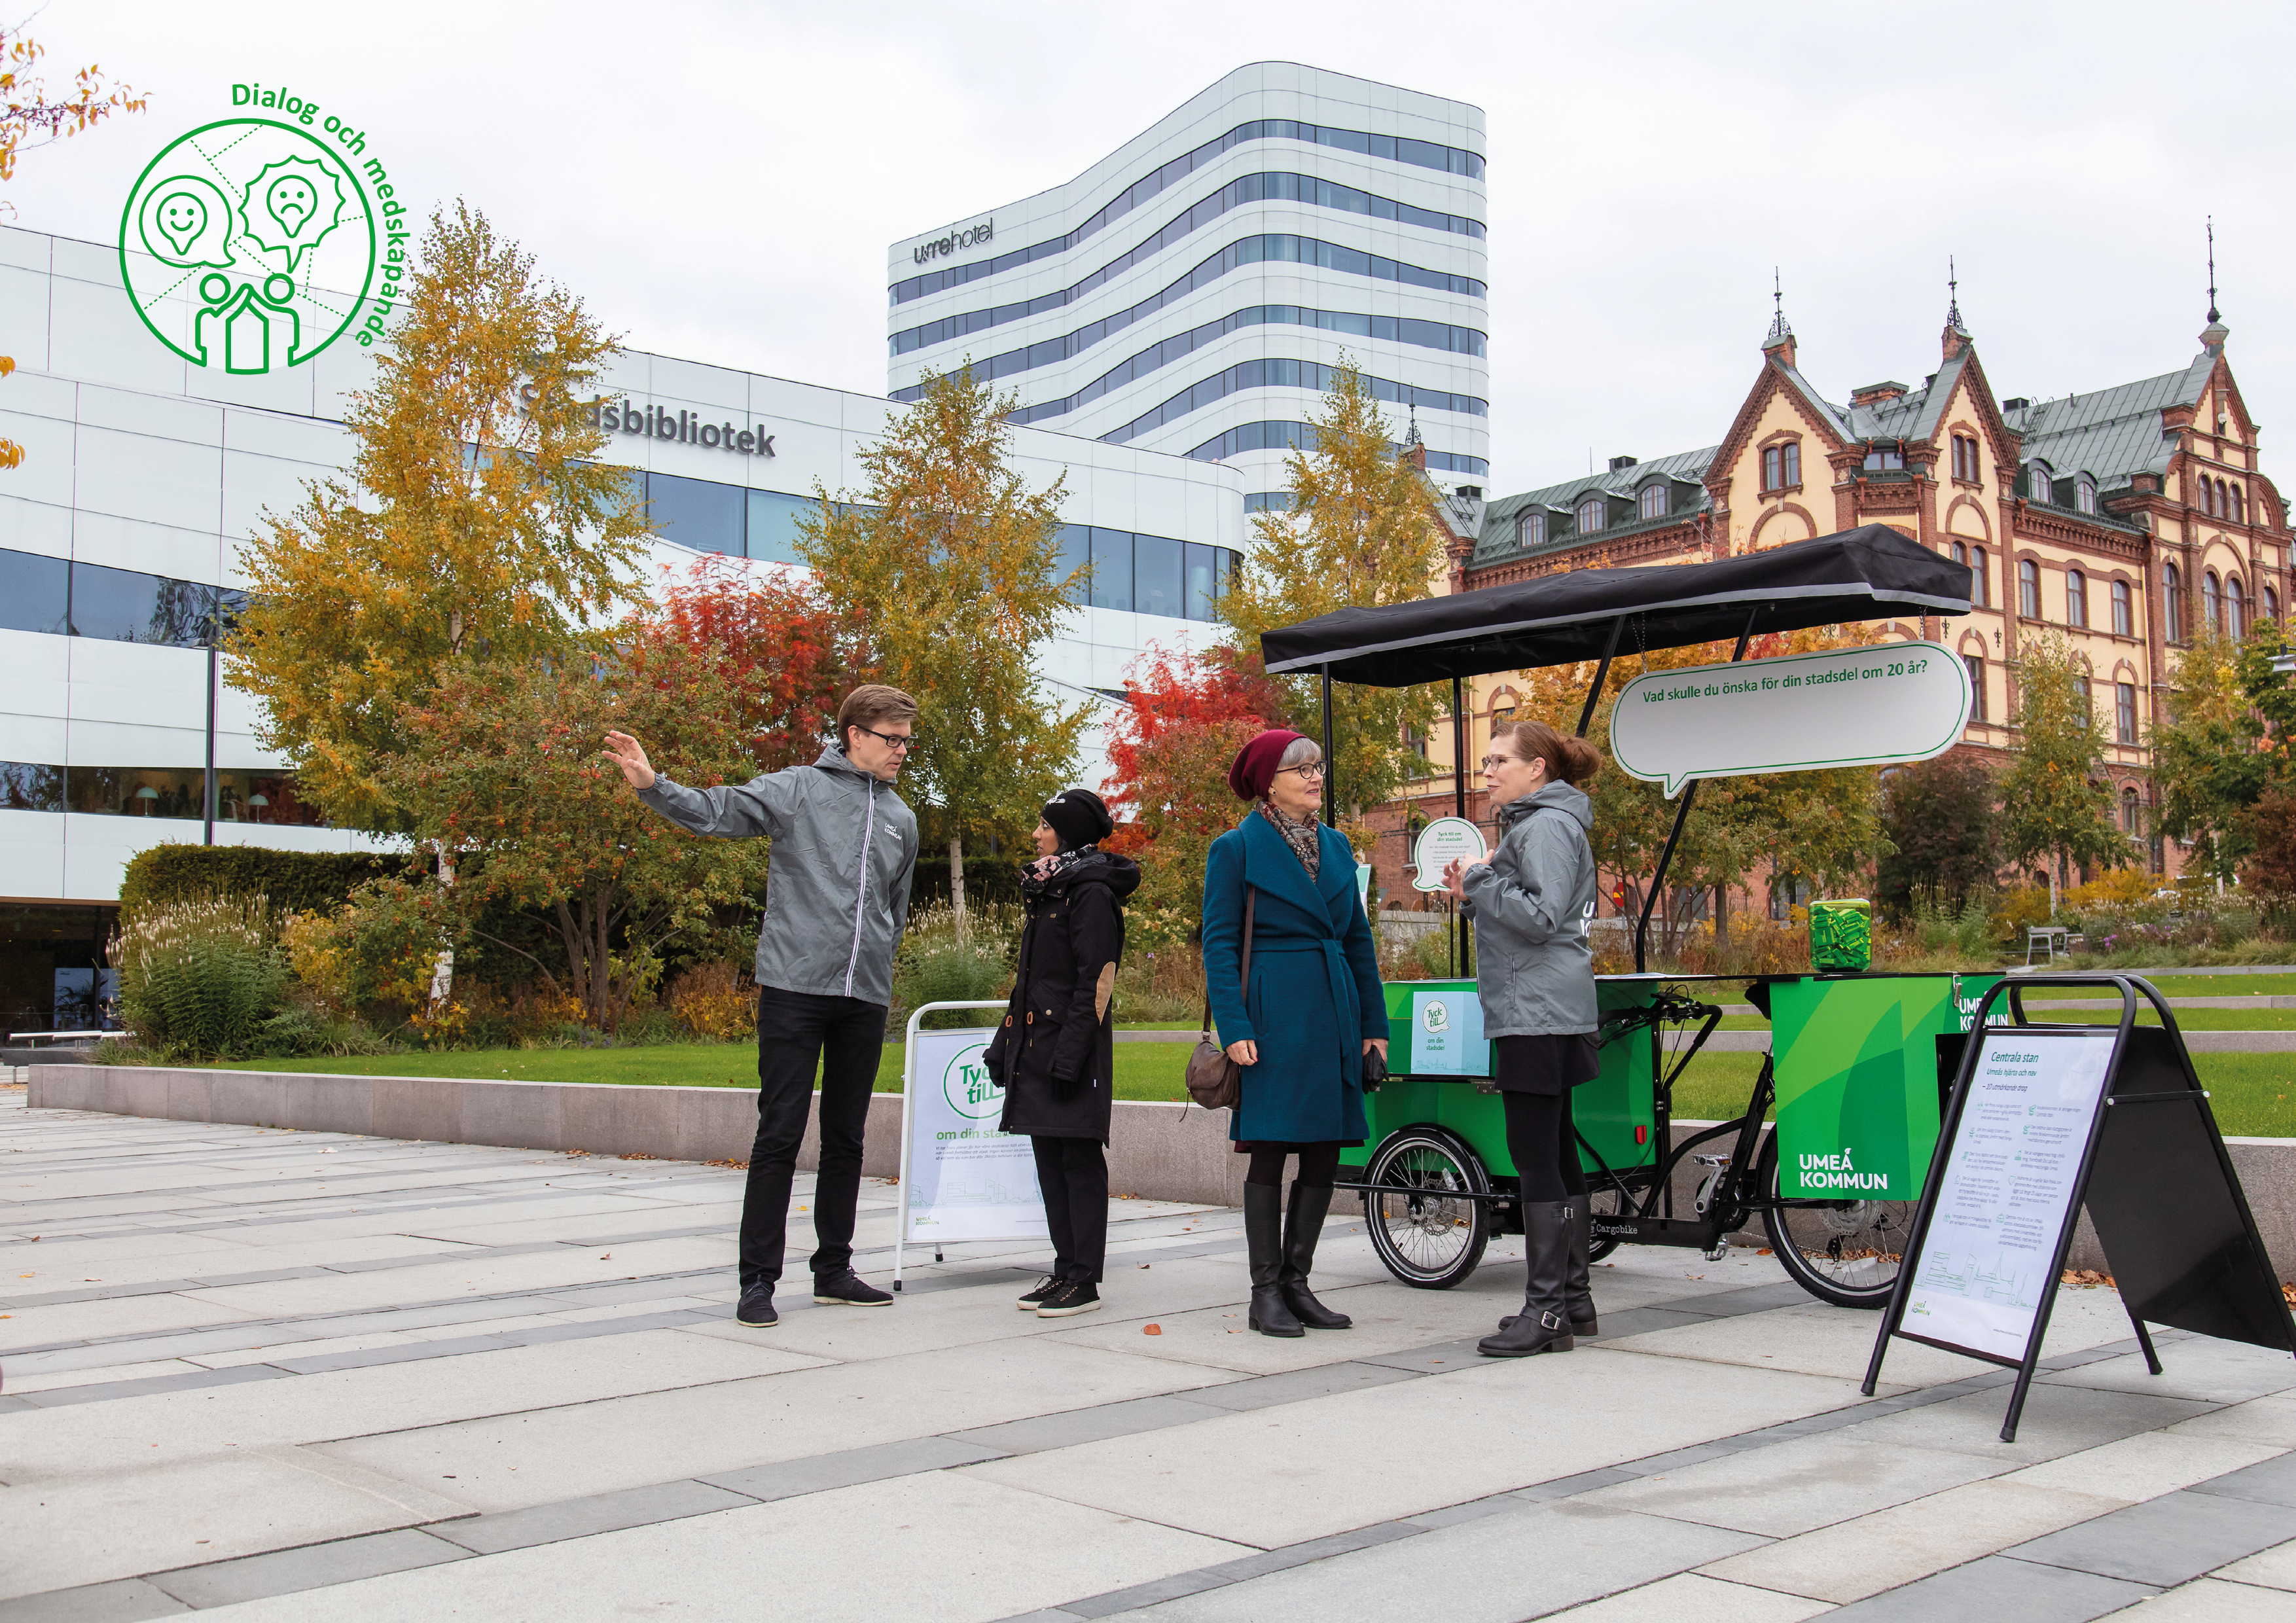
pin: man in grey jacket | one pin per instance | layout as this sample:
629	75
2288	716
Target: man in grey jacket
845	848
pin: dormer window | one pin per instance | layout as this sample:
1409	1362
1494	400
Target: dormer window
1530	529
1890	455
1964	458
1653	502
2085	496
1781	466
2036	483
1592	514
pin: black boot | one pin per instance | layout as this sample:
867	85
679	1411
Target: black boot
1302	1225
1263	1236
1544	1324
1578	1287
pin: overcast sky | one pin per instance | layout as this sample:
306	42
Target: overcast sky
720	182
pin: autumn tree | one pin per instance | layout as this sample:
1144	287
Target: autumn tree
949	566
503	769
771	642
2054	800
2223	741
1940	815
31	115
1361	531
476	525
1169	744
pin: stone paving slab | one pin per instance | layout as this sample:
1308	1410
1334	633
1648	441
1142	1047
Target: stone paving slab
383	1430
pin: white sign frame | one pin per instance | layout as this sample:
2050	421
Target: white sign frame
909	1119
1804	712
2058	1083
1427	865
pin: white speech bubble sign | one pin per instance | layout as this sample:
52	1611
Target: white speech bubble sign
1442	842
1805	712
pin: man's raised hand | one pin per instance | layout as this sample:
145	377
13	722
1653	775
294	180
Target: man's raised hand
630	756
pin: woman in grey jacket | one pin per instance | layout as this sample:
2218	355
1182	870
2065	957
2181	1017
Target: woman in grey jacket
1535	975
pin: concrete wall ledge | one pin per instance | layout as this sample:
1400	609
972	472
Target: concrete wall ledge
1160	1151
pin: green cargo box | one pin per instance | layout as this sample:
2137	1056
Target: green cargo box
1438	1054
1861	1062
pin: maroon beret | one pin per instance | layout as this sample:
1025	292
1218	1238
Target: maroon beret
1255	764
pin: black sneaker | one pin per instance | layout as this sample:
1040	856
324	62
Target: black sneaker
757	1309
1045	1287
1071	1300
848	1290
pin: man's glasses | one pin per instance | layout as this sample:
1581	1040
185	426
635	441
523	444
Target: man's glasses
891	740
1312	769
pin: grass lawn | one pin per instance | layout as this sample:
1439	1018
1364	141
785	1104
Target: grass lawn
2187	986
1143	1070
2254	1095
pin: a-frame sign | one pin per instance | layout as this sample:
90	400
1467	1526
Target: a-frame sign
2044	1119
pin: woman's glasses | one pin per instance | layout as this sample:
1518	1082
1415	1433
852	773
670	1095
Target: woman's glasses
1312	769
1490	761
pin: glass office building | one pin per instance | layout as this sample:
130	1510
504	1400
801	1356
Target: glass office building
120	532
1190	292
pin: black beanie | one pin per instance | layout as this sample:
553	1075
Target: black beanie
1079	817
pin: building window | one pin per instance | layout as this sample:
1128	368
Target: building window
2224	501
2212	601
2237	504
2172	602
2029	588
1592	514
2124	713
1653	506
2236	607
2124	617
1964	458
2084	495
2088	702
2076	599
1793	462
1503	705
1530	529
1771	462
2271	604
1976	664
1978	592
1890	455
2132	813
2208	496
2036	481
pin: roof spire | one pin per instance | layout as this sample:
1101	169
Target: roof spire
1781	328
2213	335
1412	437
1953	296
2213	316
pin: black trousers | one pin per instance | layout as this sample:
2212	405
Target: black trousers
797	1031
1544	1146
1073	1175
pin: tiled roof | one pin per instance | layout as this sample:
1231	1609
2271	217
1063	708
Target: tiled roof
1497	542
2110	433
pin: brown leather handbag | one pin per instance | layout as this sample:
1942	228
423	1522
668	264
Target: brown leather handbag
1215	1081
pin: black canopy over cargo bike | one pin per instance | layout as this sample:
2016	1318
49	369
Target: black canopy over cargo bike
1436	1181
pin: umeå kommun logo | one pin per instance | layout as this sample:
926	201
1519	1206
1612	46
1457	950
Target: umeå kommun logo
250	244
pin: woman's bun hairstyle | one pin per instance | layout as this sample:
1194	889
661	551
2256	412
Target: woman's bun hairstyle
1569	760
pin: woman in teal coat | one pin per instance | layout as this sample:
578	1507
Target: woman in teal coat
1303	1029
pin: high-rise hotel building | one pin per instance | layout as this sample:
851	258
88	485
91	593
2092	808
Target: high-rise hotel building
1190	292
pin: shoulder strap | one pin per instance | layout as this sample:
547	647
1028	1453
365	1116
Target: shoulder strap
1251	901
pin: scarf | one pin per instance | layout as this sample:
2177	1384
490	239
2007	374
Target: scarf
1034	876
1301	836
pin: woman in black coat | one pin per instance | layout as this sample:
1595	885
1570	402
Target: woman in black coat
1056	1050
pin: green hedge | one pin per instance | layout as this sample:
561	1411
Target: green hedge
294	881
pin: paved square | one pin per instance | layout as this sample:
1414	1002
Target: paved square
288	1375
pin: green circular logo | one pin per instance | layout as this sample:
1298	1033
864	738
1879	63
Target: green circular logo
247	246
969	1086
